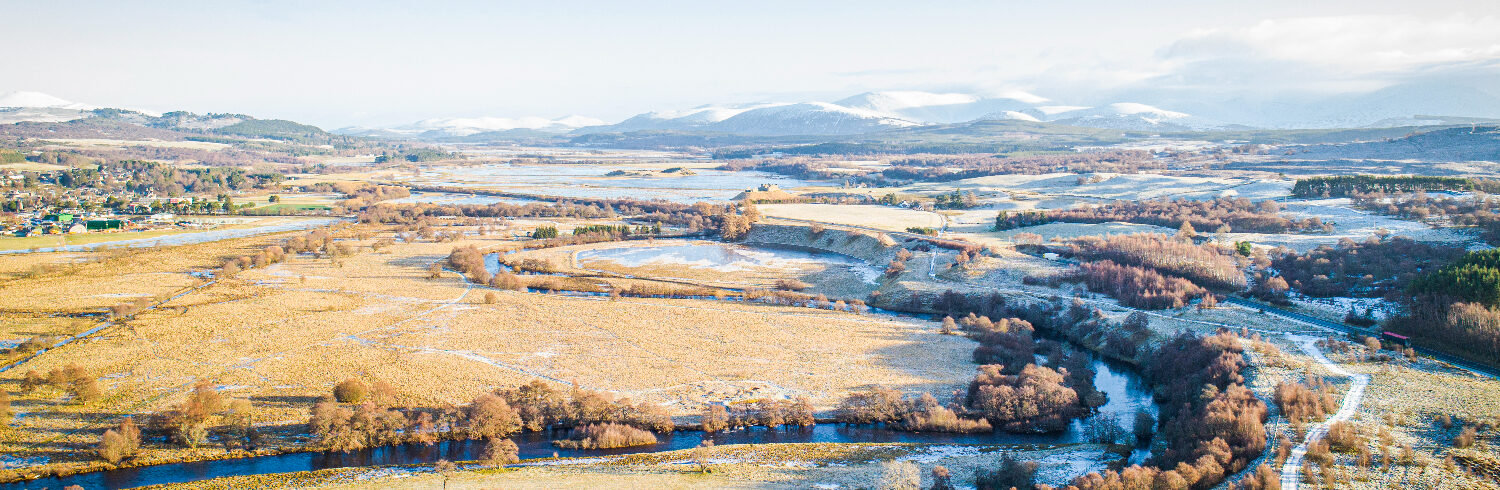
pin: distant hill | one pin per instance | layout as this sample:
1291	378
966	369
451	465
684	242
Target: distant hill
1454	144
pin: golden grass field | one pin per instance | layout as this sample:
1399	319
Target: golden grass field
282	335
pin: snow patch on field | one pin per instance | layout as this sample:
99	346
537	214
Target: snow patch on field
1059	469
385	473
937	453
566	462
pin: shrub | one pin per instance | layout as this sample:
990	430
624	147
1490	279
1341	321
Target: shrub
1305	402
351	391
499	452
606	436
879	404
490	416
791	285
1343	437
1034	398
1466	437
925	414
1144	425
120	442
715	418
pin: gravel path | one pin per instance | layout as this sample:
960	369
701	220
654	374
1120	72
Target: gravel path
1291	472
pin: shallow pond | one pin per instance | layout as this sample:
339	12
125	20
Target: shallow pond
724	257
592	181
457	199
1127	393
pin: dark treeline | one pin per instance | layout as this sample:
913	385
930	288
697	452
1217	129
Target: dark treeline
1348	185
1224	214
1205	264
941	168
1456	307
145	177
1372	268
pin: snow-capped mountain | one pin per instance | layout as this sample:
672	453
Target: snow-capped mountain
934	108
38	100
1130	116
686	119
809	118
22	106
876	111
464	126
764	119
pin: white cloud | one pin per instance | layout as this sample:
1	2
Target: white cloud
1355	44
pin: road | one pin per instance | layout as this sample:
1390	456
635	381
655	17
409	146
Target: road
1291	471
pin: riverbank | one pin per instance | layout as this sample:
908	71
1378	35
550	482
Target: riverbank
815	465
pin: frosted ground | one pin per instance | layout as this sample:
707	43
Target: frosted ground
1133	187
721	257
867	215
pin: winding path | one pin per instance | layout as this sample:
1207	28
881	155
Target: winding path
1291	471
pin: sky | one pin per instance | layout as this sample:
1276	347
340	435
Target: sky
375	63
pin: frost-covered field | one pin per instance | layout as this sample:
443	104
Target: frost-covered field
869	216
1353	224
1108	186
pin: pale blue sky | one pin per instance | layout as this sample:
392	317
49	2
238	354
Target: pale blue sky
378	63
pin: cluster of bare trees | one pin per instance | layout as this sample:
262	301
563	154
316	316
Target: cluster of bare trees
767	413
1217	215
1308	401
606	436
699	217
1036	398
1372	268
934	167
358	417
1024	397
190	423
1205	264
359	195
923	413
1212	425
72	379
206	412
1480	211
1138	287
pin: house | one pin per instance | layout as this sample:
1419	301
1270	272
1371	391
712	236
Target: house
104	224
58	218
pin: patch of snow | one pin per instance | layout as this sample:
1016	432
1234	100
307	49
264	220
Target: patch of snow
38	100
1060	468
566	462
